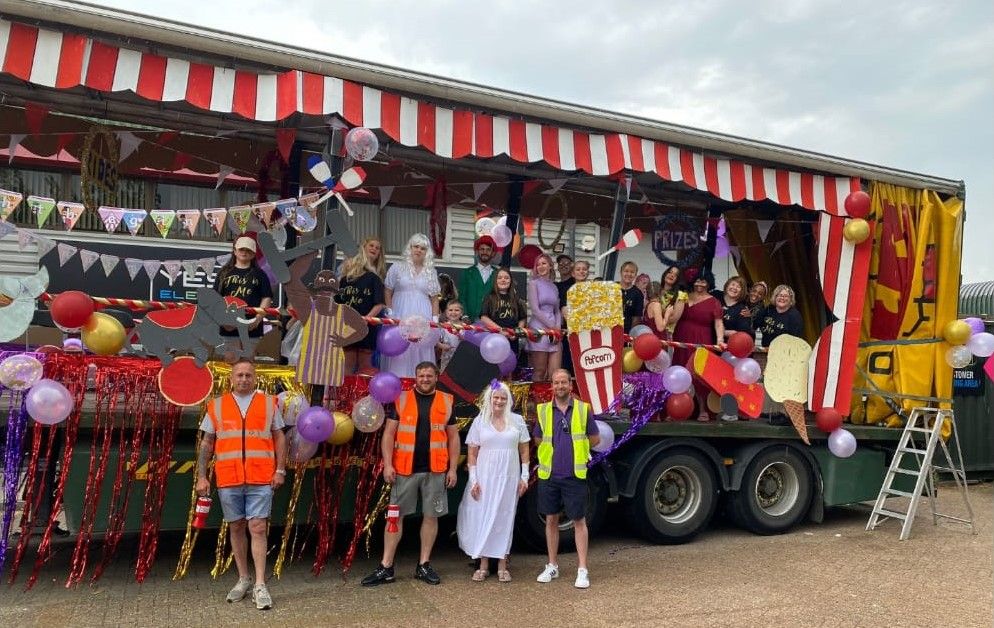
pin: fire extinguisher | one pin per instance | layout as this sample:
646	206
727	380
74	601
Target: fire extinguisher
393	516
200	512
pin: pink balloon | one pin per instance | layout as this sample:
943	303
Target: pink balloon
49	402
747	371
502	235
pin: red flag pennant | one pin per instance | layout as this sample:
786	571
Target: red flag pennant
167	136
181	161
528	225
529	186
64	140
35	114
284	142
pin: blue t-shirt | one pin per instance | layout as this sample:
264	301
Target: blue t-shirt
562	441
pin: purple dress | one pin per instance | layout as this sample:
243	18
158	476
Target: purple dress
544	312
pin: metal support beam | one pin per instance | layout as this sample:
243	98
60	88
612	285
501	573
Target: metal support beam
617	225
513	209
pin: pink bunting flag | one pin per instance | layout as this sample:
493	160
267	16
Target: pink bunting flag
45	245
66	251
89	258
134	266
42	208
70	212
222	174
151	267
129	144
9	202
264	212
6	229
190	267
216	218
24	238
240	215
109	262
223	259
207	263
111	217
172	268
188	220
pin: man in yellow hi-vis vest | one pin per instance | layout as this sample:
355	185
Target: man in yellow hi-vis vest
564	433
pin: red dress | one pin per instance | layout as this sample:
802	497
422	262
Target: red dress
696	326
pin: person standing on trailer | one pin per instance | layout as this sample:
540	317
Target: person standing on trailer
477	281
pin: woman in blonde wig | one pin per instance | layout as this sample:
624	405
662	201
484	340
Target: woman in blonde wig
497	454
412	290
360	286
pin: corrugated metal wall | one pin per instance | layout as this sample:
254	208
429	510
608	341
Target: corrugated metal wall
977	299
14	261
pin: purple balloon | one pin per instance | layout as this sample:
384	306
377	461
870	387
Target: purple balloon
475	337
316	424
842	443
747	371
508	365
677	379
391	341
976	324
49	402
384	387
495	348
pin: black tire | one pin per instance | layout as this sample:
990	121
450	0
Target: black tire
529	525
676	497
775	494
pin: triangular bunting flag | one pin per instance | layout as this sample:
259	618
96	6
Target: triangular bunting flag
64	140
45	245
555	185
628	188
528	225
134	266
284	142
216	218
188	220
764	227
151	267
223	259
190	267
163	220
35	114
8	203
386	191
6	229
15	141
109	262
129	144
207	263
70	212
479	189
777	247
736	255
172	268
167	136
222	174
66	251
240	216
263	212
24	238
182	160
41	207
89	258
134	219
529	186
111	217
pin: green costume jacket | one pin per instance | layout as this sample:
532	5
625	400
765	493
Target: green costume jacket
472	289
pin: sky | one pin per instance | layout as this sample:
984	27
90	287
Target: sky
904	84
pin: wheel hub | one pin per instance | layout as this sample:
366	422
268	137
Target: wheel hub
677	494
777	489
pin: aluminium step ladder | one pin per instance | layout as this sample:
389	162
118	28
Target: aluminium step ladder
922	433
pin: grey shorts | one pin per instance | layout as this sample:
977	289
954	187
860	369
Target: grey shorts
431	487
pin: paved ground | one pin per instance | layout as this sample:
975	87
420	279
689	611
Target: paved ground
829	574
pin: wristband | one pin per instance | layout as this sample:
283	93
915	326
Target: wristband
472	475
525	472
281	471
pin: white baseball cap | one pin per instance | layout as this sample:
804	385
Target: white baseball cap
245	242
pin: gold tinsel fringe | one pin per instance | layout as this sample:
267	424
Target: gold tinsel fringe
375	513
288	529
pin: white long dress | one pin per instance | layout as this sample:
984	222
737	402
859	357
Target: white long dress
412	294
485	527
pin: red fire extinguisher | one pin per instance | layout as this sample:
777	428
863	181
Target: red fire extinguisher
393	516
200	512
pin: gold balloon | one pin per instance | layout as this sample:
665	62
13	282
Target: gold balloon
856	231
103	334
957	332
344	428
714	402
630	362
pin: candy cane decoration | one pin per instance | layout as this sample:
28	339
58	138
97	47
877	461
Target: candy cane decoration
630	239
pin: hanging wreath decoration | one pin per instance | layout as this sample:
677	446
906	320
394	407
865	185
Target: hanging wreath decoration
98	168
563	212
679	232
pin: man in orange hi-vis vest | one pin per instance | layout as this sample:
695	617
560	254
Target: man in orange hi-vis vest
420	454
243	430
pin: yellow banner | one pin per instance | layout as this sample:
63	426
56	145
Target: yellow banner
913	292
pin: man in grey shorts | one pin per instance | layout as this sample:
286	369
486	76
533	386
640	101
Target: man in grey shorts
420	454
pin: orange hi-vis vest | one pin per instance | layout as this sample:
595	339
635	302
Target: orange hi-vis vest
403	446
244	452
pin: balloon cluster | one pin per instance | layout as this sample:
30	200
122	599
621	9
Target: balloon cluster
47	401
74	311
968	339
841	442
496	229
857	229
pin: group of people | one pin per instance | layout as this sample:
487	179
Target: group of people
243	431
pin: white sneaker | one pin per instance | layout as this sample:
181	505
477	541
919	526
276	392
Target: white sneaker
582	580
260	594
239	590
551	571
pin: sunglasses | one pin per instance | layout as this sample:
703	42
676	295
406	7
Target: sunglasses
564	423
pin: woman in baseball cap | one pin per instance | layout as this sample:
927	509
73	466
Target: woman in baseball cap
241	277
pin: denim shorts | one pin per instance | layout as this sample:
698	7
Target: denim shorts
248	501
429	486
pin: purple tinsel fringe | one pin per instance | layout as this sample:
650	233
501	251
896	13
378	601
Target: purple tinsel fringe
644	395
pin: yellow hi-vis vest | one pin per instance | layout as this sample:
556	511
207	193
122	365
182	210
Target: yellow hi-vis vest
578	430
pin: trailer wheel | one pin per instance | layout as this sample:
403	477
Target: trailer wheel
775	493
675	498
529	525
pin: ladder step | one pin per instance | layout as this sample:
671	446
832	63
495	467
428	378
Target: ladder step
912	450
896	493
957	519
905	472
923	430
889	513
949	470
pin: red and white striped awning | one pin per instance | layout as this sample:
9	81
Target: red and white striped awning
65	60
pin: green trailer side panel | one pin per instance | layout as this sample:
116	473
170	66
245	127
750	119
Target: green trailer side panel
854	479
975	412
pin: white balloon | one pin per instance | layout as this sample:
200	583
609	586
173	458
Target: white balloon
607	437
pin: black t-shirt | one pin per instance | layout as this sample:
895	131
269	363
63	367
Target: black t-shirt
563	287
632	304
362	294
733	318
248	284
501	309
422	434
774	323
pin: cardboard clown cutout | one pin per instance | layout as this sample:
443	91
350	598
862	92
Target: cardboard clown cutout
596	338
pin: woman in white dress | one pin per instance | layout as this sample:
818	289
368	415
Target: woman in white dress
412	289
497	453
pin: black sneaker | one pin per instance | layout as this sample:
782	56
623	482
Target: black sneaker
425	573
382	575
